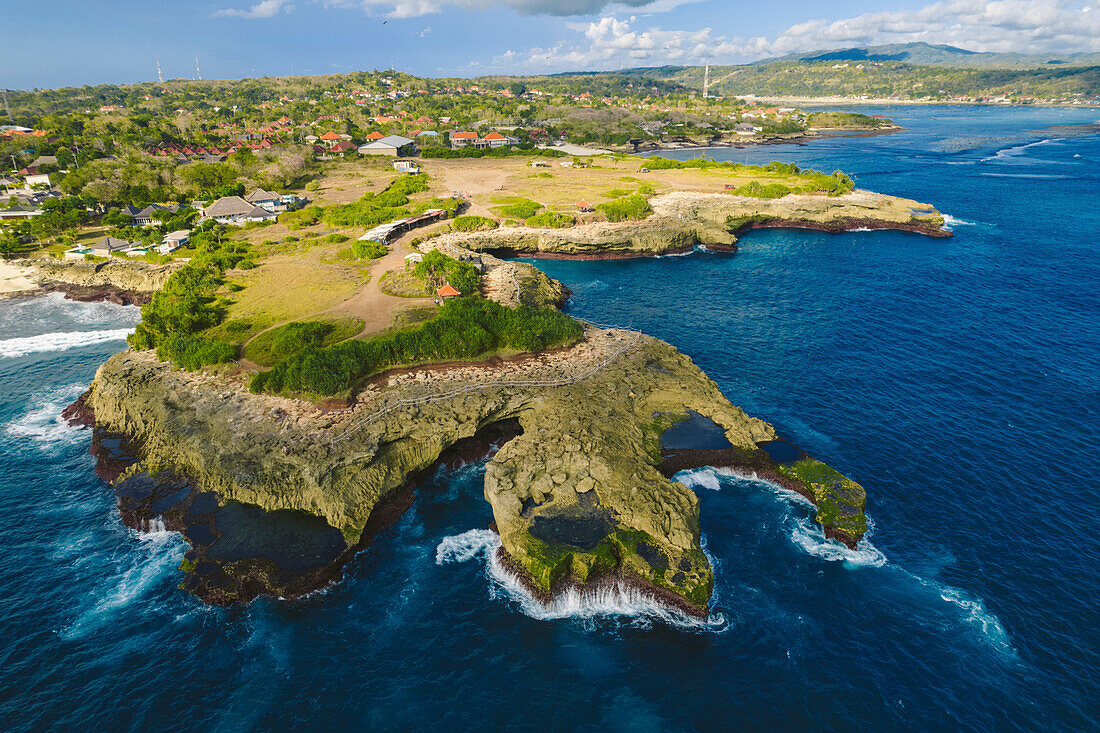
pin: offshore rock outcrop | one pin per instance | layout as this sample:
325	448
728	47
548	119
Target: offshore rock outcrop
578	495
116	280
681	220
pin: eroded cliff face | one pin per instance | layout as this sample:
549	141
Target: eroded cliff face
578	497
681	220
117	280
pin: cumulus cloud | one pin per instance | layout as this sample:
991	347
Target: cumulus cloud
416	8
1022	26
262	9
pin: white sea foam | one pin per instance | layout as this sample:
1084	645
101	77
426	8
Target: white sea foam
611	600
950	221
43	423
466	546
707	478
1016	150
62	341
157	554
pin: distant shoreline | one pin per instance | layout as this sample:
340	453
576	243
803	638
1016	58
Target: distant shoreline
880	101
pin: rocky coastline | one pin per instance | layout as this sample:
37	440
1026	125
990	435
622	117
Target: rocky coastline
123	282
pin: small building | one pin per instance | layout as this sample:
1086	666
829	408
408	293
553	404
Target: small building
235	210
37	179
583	205
375	136
495	140
147	216
406	166
20	211
266	200
463	139
389	145
343	146
173	241
109	245
447	291
413	259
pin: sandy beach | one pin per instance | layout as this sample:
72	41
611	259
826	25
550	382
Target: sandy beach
15	279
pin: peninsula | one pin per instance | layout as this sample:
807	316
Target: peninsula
286	391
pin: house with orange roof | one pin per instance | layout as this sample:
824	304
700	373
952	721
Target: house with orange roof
447	291
496	140
463	139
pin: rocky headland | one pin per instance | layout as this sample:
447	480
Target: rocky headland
682	220
116	280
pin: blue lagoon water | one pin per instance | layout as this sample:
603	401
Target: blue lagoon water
957	380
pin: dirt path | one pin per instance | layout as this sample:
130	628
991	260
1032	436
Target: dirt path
370	303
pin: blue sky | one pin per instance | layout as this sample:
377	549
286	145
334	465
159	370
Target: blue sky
70	42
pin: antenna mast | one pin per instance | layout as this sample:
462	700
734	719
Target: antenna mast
198	73
706	81
160	76
6	107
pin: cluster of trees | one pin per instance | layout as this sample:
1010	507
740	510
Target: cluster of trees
464	328
437	268
634	206
188	304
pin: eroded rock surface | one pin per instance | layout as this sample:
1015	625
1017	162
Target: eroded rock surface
578	497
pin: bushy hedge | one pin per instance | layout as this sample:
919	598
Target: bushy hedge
307	217
465	328
551	219
368	249
194	352
634	206
520	208
505	152
337	238
437	268
472	223
759	190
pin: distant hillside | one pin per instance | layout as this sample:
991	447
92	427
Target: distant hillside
940	55
870	72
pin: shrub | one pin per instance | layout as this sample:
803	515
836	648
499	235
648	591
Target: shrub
759	190
647	189
437	268
615	193
369	249
337	238
307	217
463	329
552	220
634	206
473	223
520	208
194	352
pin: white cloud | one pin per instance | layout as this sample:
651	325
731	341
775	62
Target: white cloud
262	9
426	31
1022	26
416	8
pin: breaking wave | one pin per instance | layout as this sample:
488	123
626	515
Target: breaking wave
610	601
59	341
44	423
950	221
1016	150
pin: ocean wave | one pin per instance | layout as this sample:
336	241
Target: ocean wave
610	601
697	249
155	555
44	424
950	221
62	341
1017	150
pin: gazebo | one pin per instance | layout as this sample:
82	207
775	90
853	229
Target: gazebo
583	205
447	291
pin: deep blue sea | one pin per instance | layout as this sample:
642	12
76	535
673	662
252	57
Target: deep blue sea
956	379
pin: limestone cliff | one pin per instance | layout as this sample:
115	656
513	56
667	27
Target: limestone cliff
681	220
579	497
121	281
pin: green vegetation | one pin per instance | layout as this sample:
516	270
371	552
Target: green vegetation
194	352
472	223
516	207
464	328
405	285
337	238
551	219
615	193
507	152
302	218
840	501
369	249
759	190
271	347
845	119
437	268
377	208
634	206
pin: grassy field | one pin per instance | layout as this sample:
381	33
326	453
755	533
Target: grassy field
404	285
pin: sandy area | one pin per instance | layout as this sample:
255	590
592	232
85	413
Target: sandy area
15	279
